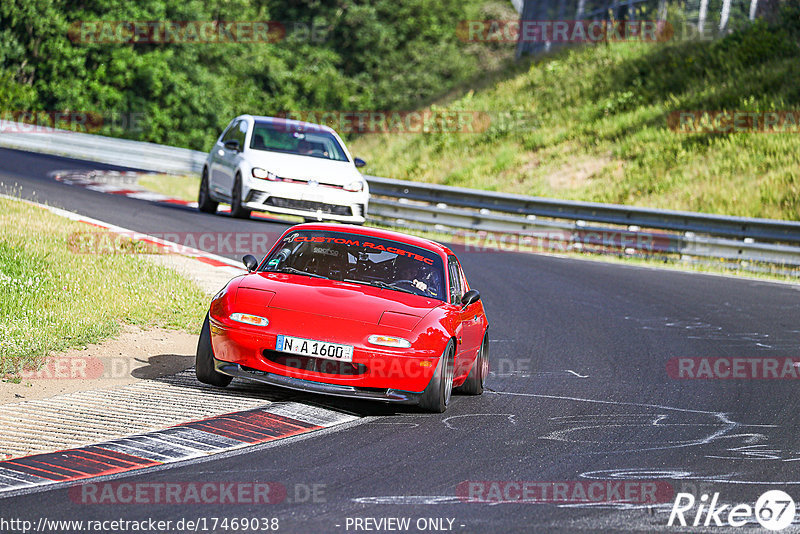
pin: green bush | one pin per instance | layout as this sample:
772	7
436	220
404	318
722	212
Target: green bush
363	55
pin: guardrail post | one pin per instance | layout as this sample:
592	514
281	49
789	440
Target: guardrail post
753	8
701	17
724	15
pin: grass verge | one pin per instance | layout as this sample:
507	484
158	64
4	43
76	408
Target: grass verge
591	123
52	298
180	186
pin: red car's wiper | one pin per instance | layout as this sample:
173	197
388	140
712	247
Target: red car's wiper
384	285
292	270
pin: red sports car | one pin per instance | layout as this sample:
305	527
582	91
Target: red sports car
350	311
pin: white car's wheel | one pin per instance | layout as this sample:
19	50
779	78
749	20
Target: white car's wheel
236	200
204	201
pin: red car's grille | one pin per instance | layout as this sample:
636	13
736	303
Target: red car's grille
316	365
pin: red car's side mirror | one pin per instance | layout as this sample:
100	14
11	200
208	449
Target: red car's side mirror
470	297
250	262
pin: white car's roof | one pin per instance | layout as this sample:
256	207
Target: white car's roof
291	122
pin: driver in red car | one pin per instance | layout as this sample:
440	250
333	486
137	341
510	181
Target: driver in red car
422	276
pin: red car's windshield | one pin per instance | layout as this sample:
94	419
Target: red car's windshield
363	259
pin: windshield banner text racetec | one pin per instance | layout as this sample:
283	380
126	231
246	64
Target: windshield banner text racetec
364	244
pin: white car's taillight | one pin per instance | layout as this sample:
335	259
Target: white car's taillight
264	174
358	185
389	341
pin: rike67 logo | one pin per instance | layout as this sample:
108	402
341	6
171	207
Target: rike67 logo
774	510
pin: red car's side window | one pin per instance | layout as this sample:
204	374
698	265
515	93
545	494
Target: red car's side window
454	273
464	283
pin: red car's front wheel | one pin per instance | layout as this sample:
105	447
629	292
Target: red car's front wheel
436	396
204	362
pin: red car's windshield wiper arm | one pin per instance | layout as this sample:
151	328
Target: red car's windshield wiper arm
292	270
384	285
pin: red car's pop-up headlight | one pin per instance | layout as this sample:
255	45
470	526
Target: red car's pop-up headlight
250	306
248	297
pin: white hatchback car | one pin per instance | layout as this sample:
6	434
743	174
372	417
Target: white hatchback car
283	166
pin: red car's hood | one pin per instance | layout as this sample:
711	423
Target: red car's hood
341	300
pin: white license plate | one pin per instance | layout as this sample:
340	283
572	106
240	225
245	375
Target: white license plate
313	348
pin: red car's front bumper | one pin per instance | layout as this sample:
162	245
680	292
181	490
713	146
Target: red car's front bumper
380	373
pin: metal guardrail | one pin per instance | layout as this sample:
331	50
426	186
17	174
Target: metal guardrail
526	206
542	223
555	224
122	152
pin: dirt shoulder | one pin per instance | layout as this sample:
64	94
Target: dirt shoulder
133	355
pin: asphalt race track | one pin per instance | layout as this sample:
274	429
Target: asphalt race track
579	392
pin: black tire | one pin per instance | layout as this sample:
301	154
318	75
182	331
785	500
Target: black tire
476	378
437	395
204	201
237	210
204	362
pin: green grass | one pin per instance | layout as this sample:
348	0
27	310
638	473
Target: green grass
183	187
52	298
595	128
